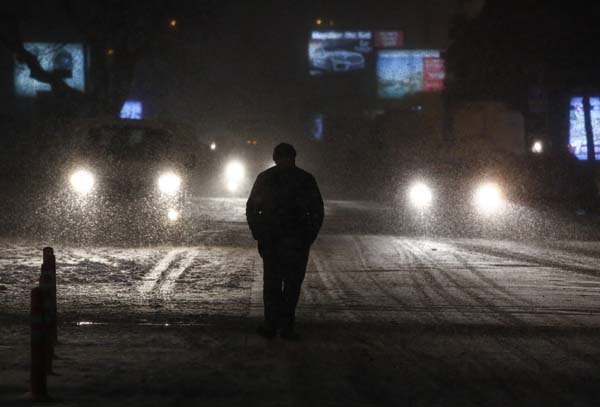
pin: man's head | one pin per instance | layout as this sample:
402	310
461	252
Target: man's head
285	155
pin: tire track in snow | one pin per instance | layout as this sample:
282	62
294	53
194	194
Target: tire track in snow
563	346
332	288
537	256
364	254
160	281
519	302
408	259
429	273
334	258
524	357
407	253
554	279
458	280
153	277
168	283
501	314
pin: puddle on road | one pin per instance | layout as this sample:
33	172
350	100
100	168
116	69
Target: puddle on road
152	324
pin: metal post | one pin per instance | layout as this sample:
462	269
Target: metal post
591	147
589	131
48	306
39	337
50	260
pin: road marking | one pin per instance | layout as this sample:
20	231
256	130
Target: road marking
153	276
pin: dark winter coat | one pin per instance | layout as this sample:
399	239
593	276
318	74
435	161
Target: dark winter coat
285	202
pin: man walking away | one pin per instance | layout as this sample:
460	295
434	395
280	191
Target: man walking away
285	213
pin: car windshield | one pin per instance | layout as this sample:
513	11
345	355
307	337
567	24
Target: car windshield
129	143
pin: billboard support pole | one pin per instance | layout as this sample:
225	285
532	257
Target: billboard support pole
589	136
589	132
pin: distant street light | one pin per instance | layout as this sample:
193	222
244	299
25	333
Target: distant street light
537	147
213	146
319	21
173	23
110	52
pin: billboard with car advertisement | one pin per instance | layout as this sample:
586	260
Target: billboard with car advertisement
404	72
334	52
67	59
577	138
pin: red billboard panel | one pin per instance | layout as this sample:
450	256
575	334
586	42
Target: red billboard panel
389	39
434	73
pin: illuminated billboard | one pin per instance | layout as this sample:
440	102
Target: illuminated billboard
67	59
577	137
338	51
317	127
388	39
131	109
403	72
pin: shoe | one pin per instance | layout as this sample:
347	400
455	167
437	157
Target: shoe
266	332
289	334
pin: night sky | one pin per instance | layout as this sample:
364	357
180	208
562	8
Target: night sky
244	64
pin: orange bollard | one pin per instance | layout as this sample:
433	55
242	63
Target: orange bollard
39	337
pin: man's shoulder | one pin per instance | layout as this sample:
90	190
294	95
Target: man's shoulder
304	177
297	171
303	173
269	172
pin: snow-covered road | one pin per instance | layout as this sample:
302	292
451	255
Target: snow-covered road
351	276
439	321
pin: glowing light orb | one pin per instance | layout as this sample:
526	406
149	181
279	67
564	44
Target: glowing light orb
82	181
420	195
488	198
169	183
234	176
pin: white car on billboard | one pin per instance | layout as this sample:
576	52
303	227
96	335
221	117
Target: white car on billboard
337	60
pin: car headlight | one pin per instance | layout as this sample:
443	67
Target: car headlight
537	147
82	181
488	198
234	175
169	183
420	195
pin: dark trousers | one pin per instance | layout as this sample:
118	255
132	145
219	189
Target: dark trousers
284	262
